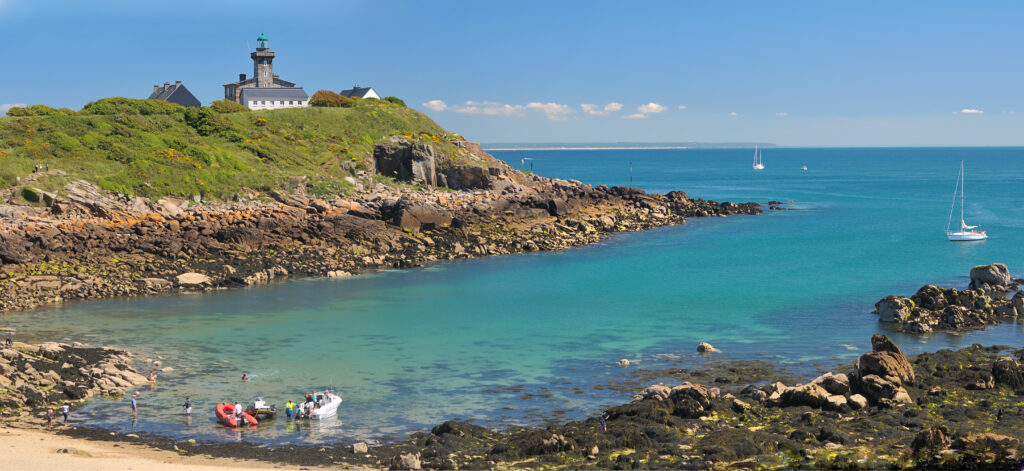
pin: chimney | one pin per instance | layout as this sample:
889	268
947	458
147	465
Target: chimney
177	83
277	76
167	85
156	88
241	77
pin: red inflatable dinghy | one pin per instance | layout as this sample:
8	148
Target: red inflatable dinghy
226	415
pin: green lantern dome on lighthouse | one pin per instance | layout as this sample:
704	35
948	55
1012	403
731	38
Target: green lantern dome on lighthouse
262	41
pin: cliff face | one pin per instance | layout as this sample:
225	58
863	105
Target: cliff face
89	243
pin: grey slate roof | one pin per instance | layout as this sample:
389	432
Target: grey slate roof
273	94
356	92
176	93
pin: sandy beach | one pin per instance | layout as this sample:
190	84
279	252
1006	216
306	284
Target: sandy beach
26	448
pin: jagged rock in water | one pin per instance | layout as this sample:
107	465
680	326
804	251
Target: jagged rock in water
894	309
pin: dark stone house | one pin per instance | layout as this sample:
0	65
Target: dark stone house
176	93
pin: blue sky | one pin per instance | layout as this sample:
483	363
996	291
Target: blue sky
793	73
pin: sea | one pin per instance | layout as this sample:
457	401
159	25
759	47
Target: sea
534	338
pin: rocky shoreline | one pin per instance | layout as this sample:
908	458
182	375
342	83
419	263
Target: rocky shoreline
84	243
942	410
986	301
33	377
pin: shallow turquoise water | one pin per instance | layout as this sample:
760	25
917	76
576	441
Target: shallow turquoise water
504	340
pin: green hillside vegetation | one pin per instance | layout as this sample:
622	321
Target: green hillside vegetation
154	148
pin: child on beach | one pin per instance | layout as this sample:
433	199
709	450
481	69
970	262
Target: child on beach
66	411
8	342
135	406
49	416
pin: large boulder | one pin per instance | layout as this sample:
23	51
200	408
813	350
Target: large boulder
409	214
193	280
810	395
886	360
404	161
932	439
894	309
883	391
1007	371
690	401
465	177
930	297
990	277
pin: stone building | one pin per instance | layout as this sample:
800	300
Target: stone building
176	93
265	89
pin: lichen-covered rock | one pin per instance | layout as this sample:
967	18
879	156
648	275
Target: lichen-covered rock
995	276
894	309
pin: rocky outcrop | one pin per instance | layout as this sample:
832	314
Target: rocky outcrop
94	244
35	376
947	309
404	161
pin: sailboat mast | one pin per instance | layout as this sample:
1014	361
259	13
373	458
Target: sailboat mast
961	194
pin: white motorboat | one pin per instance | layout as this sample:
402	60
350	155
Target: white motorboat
966	232
326	406
758	162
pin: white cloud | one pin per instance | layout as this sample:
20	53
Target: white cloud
651	107
553	111
782	113
635	116
489	108
594	111
733	113
436	105
6	106
971	111
682	107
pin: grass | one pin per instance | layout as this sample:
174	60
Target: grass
136	148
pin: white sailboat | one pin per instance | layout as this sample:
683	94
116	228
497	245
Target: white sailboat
966	233
758	163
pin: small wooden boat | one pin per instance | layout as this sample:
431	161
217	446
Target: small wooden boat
226	415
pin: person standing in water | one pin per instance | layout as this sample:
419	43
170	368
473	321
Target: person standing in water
135	406
289	408
188	406
244	377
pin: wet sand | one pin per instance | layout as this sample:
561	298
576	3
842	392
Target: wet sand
27	447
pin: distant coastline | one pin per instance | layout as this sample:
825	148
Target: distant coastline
584	148
506	146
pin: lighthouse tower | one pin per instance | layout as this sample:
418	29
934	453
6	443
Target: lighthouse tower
263	63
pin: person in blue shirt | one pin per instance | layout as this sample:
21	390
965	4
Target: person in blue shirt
135	405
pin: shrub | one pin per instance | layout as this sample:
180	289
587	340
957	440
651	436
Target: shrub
38	110
205	121
329	99
117	105
228	106
395	100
